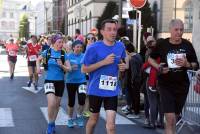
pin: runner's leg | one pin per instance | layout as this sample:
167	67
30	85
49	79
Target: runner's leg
110	121
51	99
91	123
170	123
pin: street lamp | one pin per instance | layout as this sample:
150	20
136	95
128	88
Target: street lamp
46	8
175	9
36	25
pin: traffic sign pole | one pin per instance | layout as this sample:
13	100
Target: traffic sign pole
139	29
136	4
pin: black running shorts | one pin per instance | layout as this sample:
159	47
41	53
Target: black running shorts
31	63
13	59
95	102
59	87
173	99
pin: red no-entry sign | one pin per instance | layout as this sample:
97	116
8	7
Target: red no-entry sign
138	3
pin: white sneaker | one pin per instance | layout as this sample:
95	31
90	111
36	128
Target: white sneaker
124	108
133	116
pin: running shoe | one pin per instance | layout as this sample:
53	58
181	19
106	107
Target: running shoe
86	114
80	121
150	126
70	123
50	129
35	86
12	76
146	122
133	116
29	83
54	127
126	109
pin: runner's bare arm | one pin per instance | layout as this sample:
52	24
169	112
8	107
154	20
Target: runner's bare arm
160	67
66	67
38	63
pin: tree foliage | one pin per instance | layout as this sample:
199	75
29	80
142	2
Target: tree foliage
24	27
147	19
110	10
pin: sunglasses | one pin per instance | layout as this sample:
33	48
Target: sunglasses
90	38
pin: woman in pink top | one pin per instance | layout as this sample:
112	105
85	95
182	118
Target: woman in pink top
12	49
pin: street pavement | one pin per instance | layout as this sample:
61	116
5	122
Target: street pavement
23	111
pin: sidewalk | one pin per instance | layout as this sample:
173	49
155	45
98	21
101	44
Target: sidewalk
139	121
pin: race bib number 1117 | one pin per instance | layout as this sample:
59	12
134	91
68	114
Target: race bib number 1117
108	83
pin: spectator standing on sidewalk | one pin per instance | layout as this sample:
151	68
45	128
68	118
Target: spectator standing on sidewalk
177	55
134	81
103	60
152	88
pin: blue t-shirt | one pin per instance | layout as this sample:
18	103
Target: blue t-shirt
54	71
104	81
75	76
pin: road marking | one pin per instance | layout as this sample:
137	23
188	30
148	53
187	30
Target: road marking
32	89
62	117
6	118
120	120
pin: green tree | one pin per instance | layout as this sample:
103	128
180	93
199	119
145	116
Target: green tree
155	17
24	26
63	26
110	10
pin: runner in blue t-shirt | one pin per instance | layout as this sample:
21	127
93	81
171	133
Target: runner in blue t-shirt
54	78
75	79
103	60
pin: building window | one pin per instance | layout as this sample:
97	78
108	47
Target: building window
3	25
4	14
11	15
188	17
12	25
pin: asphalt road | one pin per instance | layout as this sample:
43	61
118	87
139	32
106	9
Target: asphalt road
23	111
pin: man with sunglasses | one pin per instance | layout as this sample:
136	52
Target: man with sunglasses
103	61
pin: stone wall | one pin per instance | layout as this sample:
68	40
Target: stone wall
196	29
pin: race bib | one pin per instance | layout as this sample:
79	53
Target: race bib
171	57
108	83
49	88
12	53
82	89
33	58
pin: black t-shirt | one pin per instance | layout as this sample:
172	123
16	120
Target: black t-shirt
167	52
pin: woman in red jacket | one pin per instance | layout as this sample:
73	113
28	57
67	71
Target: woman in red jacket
151	87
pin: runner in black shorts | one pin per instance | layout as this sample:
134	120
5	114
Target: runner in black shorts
33	49
54	79
76	83
177	56
103	60
12	50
